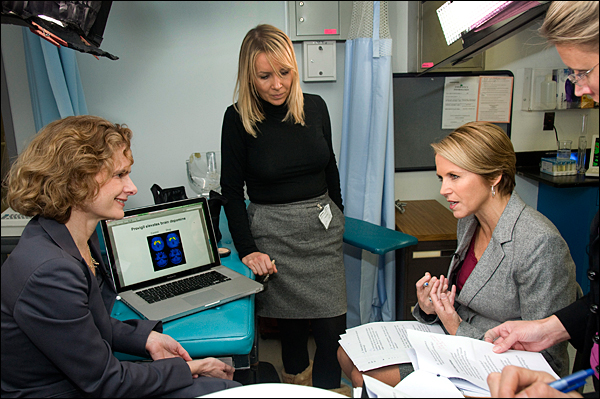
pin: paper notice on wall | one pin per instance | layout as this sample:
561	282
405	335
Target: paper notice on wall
476	98
460	101
495	99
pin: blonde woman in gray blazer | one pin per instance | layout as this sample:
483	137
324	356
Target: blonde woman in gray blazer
525	273
523	269
517	264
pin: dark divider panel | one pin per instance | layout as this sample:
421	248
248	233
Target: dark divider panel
418	103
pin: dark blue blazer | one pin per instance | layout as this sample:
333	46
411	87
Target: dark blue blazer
57	334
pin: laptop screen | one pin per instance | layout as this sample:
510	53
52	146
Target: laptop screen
160	242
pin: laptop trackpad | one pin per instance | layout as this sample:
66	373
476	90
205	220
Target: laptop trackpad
203	298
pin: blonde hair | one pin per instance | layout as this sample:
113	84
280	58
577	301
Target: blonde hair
572	23
58	169
484	149
278	49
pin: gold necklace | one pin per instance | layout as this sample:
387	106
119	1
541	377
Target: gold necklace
94	264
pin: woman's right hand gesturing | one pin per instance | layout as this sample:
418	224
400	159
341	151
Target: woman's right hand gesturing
424	286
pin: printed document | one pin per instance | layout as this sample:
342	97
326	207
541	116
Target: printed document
472	98
460	101
495	99
467	361
379	344
418	384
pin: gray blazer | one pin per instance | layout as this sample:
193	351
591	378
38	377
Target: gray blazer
525	273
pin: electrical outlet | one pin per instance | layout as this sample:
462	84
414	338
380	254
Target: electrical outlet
548	120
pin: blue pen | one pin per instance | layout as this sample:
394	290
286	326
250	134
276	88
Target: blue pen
572	382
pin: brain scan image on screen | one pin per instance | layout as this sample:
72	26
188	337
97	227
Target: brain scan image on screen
169	255
173	240
157	243
160	258
175	256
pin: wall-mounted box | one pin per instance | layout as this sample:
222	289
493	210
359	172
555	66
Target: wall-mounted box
319	20
319	61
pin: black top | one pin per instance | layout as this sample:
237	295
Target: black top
580	319
285	163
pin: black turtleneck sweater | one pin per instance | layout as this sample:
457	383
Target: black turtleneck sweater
285	163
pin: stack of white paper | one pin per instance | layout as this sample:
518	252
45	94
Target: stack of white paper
466	361
418	384
381	344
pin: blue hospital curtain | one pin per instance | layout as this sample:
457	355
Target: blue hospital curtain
54	82
367	160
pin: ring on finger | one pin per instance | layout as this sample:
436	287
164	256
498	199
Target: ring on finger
429	298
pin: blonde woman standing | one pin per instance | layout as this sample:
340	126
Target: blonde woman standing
276	141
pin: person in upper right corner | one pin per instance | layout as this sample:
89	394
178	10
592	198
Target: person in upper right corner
571	26
577	323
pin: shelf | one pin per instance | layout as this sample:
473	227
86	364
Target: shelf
528	165
578	180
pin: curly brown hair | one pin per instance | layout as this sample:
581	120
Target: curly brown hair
58	169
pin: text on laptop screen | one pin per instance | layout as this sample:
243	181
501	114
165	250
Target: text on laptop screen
155	244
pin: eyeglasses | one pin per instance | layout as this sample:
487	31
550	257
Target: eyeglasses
578	77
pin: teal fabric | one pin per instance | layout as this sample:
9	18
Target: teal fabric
373	238
54	81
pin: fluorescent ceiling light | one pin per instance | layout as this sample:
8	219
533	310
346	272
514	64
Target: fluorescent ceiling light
462	16
50	19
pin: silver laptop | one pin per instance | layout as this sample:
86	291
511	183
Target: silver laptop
159	254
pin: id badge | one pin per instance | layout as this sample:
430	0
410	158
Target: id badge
325	216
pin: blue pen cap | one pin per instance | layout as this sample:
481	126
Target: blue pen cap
571	382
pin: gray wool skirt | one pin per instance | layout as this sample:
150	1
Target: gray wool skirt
310	282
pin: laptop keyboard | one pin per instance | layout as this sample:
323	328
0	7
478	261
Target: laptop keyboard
182	286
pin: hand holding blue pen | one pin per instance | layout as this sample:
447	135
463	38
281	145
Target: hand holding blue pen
572	382
521	382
